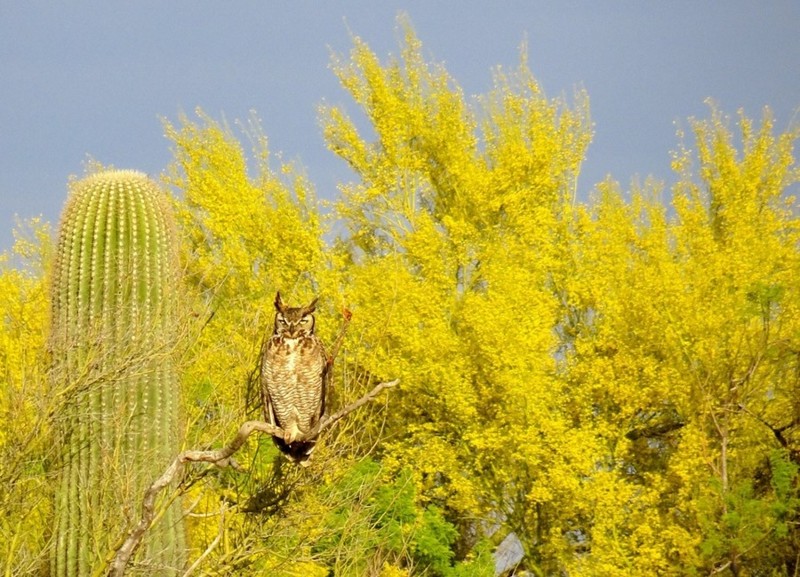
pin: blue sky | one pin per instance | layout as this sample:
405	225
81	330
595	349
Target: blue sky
81	79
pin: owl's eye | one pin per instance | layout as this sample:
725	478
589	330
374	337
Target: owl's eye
281	320
305	320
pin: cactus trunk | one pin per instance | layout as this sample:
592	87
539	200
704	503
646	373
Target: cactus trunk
113	334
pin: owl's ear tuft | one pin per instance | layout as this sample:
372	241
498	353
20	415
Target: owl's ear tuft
310	307
279	306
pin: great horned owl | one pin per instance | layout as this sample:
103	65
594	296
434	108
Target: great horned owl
294	378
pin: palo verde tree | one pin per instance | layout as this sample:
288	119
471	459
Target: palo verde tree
243	236
453	226
25	405
680	341
736	239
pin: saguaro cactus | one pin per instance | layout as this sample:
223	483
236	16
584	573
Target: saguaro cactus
113	334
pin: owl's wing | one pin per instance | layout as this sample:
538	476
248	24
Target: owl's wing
326	381
327	377
269	412
266	401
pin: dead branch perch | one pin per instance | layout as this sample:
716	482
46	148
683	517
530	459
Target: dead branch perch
222	458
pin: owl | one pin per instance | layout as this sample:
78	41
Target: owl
294	378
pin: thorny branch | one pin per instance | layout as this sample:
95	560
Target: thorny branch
222	458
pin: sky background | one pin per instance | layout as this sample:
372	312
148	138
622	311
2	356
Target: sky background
80	79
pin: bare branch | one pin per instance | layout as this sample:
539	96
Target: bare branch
327	421
211	546
222	458
778	432
337	343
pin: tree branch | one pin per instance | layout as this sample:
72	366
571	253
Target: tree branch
337	343
328	421
778	432
222	458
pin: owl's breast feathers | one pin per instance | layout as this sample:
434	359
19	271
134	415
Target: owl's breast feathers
294	378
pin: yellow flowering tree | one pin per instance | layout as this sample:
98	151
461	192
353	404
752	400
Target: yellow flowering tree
453	240
243	238
680	335
26	404
736	238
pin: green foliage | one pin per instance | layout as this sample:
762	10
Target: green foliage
112	338
381	520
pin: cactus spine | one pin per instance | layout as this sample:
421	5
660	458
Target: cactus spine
113	331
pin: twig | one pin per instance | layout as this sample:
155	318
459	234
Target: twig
337	343
327	421
211	546
776	431
222	458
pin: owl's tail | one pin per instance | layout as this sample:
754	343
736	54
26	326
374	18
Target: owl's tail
299	452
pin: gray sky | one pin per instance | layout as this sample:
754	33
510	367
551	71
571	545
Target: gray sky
82	78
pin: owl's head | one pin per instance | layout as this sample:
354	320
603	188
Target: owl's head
293	322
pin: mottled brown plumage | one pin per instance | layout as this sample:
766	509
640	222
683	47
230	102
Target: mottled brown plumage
294	378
